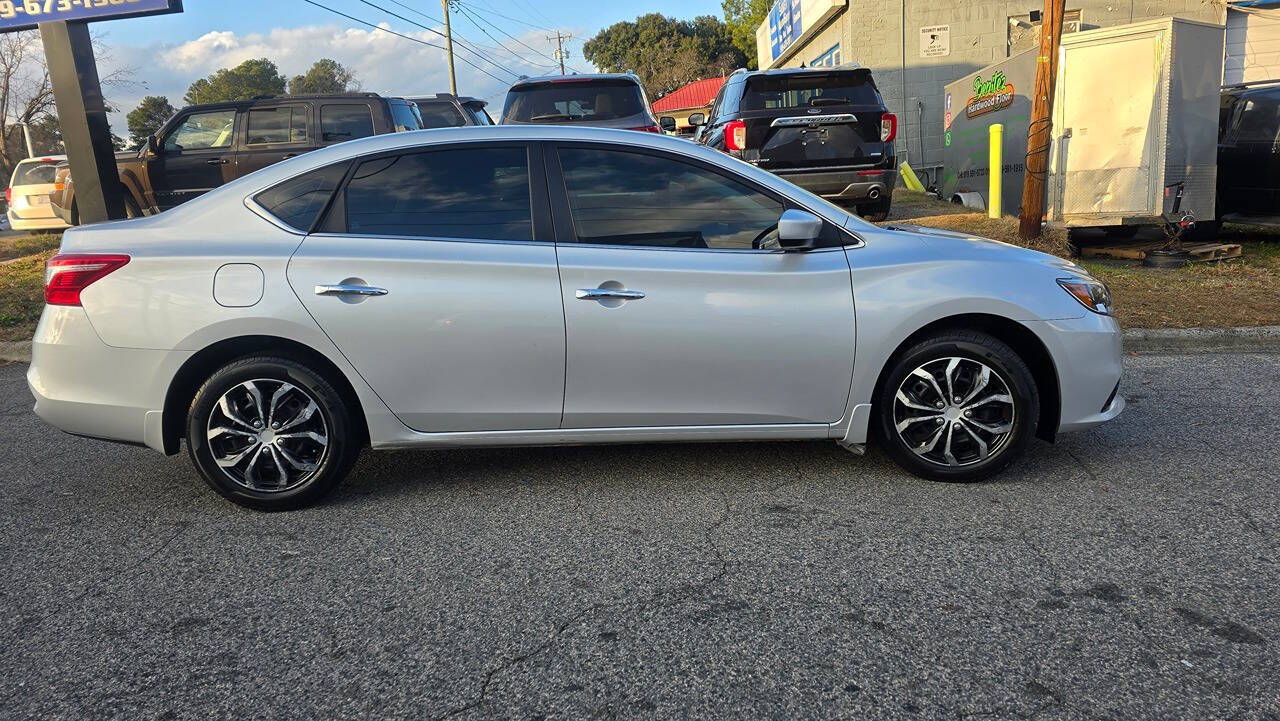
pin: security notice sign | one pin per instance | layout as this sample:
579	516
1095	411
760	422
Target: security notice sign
935	41
26	14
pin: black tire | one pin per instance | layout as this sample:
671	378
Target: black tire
266	373
876	212
974	349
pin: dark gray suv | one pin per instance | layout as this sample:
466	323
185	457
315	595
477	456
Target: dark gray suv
451	111
607	100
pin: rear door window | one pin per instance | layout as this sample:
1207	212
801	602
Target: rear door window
287	124
297	202
339	123
765	92
440	115
571	101
470	193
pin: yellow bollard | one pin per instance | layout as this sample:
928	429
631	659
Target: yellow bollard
995	169
909	178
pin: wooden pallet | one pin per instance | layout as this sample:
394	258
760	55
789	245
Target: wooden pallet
1199	252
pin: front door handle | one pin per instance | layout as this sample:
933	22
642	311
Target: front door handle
345	289
216	161
607	294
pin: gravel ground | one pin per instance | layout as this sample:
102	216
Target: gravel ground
1128	572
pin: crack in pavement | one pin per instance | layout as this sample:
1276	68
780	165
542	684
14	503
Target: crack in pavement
683	592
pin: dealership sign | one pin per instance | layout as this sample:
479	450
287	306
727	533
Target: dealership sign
989	95
26	14
784	25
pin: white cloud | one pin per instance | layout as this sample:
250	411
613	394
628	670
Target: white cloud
382	62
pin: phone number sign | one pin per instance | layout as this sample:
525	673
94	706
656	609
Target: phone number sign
26	14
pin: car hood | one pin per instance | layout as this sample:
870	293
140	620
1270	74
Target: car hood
954	243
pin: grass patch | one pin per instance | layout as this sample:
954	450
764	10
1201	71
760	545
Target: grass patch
22	296
21	245
1229	293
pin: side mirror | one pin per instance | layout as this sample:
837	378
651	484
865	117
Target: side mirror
698	119
667	123
798	230
152	148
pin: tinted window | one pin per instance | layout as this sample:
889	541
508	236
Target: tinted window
563	102
440	115
202	131
298	201
277	125
405	118
467	193
632	199
809	89
34	173
345	122
1259	121
478	113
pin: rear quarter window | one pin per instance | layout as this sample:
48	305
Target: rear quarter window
573	101
440	115
298	201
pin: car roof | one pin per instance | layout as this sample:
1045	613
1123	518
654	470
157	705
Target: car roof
576	77
446	97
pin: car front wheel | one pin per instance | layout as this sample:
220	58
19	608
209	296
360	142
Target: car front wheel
959	406
269	433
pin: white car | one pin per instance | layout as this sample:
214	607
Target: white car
28	195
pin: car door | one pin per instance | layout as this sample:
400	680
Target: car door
272	134
435	275
680	310
195	157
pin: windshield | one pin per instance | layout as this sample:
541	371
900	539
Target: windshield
569	101
33	173
809	90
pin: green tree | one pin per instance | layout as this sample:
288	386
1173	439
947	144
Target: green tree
246	80
665	53
742	18
325	76
147	118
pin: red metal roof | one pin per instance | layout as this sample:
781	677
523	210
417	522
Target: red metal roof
697	94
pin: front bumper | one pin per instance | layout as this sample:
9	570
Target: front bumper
845	185
86	387
1089	360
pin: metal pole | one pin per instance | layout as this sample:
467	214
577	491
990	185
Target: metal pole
448	41
26	132
995	169
1038	136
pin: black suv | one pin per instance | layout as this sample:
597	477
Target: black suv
204	146
451	111
602	100
826	130
1249	150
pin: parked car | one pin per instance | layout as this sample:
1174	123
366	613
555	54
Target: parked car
826	130
204	146
1249	151
27	197
553	285
451	111
606	100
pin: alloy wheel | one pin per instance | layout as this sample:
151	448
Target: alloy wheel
267	435
954	412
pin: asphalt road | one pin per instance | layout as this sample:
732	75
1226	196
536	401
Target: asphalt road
1129	572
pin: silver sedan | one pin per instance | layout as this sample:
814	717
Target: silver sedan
499	286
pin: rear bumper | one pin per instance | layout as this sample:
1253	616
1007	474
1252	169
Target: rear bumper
32	221
1089	359
845	185
83	386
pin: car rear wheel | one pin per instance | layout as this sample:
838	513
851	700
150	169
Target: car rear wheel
959	406
269	433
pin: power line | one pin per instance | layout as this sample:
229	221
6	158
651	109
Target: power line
437	32
472	18
366	23
491	9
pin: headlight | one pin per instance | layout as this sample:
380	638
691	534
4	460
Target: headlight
1091	293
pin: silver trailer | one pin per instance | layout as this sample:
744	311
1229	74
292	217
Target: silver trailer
1136	113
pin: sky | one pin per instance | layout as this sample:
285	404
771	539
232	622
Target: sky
168	52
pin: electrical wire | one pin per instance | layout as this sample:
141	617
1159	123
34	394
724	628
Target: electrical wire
464	11
489	8
437	32
472	18
366	23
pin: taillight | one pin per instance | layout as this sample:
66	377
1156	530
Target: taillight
888	127
735	135
65	276
648	129
8	196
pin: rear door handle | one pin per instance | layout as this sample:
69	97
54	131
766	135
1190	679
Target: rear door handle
216	161
344	289
607	294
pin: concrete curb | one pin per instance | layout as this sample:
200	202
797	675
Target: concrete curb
1264	339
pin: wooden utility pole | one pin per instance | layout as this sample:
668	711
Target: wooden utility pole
1033	182
448	41
560	53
